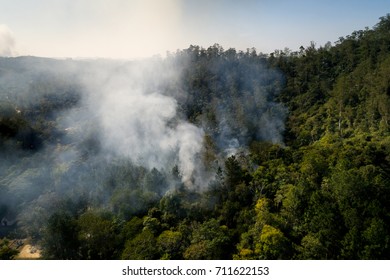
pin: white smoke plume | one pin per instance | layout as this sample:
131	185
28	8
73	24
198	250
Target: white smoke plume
7	41
122	134
139	122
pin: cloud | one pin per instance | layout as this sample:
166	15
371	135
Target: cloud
7	41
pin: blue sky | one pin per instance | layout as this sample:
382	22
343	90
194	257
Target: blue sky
141	28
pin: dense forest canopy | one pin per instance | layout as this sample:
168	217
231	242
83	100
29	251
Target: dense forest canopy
205	154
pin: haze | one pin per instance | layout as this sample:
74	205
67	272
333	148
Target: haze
143	28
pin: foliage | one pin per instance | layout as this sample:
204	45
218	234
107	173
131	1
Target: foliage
6	251
321	192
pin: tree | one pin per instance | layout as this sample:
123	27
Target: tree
312	248
99	236
234	173
272	244
6	251
142	247
132	228
209	241
376	240
170	244
60	238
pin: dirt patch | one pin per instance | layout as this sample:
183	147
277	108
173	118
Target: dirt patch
29	252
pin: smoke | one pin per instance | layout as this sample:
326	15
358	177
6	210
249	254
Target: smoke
237	93
138	119
120	134
250	118
7	41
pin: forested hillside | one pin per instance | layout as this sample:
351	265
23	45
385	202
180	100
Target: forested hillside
205	154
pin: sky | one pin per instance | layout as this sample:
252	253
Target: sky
130	29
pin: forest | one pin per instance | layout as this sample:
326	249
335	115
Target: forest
203	154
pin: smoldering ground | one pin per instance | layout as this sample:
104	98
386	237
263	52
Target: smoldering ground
119	134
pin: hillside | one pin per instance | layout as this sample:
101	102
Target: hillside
205	154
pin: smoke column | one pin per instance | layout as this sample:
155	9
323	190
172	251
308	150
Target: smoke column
139	122
7	42
113	133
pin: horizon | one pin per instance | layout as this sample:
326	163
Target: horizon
138	29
